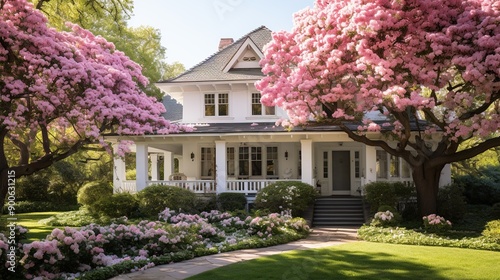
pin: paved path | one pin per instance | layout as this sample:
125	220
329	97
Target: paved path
320	237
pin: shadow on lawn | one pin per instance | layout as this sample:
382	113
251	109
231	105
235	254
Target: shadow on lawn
326	264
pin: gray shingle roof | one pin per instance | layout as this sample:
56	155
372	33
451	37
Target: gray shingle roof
211	69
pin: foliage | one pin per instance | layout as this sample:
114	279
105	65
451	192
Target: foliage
386	216
413	237
482	187
109	19
155	198
33	188
62	90
69	252
387	193
92	192
451	202
116	206
286	195
347	62
495	211
492	230
231	201
40	206
384	219
435	223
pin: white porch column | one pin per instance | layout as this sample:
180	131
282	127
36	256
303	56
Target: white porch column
168	165
119	170
154	167
307	161
141	166
220	166
370	171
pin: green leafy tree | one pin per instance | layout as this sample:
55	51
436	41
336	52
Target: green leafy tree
108	18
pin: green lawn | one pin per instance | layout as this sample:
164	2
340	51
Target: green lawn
30	221
366	260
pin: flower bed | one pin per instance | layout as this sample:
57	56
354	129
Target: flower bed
100	252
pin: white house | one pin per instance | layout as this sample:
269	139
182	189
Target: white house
236	146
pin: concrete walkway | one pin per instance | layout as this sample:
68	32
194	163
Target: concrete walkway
319	237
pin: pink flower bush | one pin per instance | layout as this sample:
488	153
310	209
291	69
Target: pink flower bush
69	252
435	223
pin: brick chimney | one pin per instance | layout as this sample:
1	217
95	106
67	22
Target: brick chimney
224	42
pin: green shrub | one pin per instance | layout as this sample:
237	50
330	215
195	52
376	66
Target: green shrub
495	211
206	203
386	216
387	193
115	206
92	192
33	188
231	201
451	202
295	196
155	198
40	206
492	230
483	188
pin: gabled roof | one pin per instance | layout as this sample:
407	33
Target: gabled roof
212	68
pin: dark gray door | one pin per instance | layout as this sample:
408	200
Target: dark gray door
341	171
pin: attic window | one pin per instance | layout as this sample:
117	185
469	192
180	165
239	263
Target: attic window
251	58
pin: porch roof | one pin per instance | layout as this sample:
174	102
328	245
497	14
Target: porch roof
263	127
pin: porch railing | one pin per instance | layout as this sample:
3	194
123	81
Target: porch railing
246	186
196	186
249	186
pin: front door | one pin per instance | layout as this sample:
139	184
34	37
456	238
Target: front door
341	172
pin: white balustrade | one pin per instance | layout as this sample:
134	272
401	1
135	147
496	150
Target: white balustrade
246	186
249	186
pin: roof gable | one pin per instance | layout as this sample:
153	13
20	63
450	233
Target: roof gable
247	56
212	68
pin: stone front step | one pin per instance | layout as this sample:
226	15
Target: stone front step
338	211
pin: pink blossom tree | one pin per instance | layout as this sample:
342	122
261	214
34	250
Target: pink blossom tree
61	91
432	68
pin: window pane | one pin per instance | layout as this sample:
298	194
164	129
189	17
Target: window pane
230	161
209	104
243	161
256	109
270	110
394	166
207	162
223	104
381	164
223	110
325	164
256	161
256	105
356	164
272	160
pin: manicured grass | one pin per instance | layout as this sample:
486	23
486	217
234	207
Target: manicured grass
366	260
36	231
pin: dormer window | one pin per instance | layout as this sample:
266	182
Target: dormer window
259	109
216	104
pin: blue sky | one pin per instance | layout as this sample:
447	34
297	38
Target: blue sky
191	29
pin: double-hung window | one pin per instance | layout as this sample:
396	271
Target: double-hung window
216	104
259	109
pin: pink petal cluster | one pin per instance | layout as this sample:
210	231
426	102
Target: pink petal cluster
71	251
72	83
390	56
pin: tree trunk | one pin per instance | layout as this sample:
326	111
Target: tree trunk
427	184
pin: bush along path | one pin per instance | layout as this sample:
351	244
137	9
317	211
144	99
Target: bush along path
101	252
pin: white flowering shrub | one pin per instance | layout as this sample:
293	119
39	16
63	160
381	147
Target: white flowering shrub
385	219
